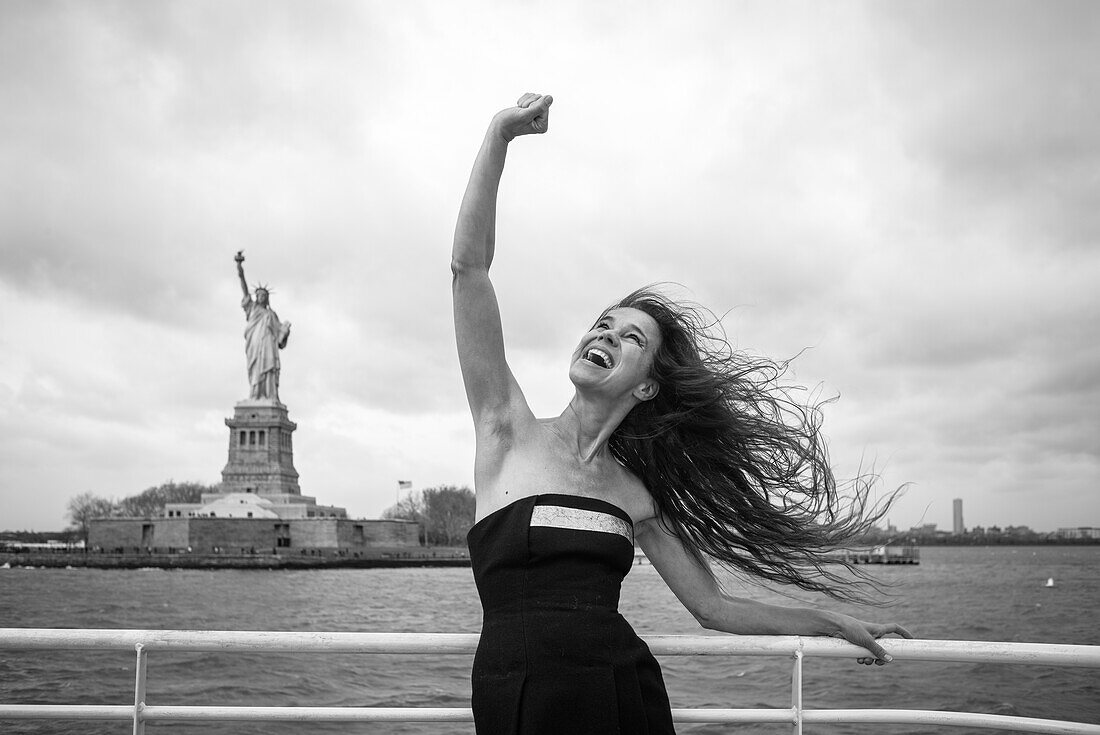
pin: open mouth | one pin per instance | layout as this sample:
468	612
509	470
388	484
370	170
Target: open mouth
599	358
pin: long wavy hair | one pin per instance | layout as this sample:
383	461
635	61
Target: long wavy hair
736	465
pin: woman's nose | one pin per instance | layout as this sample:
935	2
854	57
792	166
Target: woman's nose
610	336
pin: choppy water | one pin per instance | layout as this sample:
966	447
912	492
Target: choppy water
971	593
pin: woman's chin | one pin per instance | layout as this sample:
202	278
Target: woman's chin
586	376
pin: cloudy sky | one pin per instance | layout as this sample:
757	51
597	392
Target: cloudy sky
908	190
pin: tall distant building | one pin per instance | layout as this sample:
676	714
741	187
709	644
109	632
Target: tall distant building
959	527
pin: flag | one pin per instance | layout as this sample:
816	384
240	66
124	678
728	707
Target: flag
404	485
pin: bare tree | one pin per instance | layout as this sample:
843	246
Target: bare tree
150	503
83	508
449	514
445	513
409	508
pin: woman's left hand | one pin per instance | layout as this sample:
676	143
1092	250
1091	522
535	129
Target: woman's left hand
865	635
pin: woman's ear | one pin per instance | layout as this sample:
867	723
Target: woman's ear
647	390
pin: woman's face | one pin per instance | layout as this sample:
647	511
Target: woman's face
616	355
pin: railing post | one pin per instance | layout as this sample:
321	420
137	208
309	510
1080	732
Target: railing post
796	689
139	690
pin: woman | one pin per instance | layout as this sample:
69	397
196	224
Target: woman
691	453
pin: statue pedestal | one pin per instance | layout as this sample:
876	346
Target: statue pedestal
261	453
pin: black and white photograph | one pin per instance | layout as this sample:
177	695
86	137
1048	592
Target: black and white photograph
549	368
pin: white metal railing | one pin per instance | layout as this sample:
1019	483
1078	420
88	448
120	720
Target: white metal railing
794	647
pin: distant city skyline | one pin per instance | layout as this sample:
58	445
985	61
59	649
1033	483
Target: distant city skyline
902	195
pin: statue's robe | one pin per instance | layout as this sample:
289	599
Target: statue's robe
263	336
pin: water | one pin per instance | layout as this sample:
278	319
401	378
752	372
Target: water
993	593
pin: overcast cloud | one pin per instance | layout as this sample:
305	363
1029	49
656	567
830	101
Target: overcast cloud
909	190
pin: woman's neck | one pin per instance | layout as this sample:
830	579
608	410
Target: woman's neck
586	426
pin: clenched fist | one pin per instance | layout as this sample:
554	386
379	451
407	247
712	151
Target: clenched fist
530	115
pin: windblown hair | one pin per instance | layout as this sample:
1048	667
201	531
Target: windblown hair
737	467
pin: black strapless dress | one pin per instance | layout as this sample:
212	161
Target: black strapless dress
555	654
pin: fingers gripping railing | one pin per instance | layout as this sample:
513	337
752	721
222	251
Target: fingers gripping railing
145	641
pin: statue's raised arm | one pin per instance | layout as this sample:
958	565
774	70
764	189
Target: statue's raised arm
239	257
264	336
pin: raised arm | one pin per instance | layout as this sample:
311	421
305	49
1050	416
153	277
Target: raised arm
239	257
695	587
490	387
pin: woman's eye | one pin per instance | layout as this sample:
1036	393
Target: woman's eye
634	337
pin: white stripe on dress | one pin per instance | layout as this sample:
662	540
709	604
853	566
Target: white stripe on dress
556	516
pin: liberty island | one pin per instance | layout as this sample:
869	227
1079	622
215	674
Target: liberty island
259	509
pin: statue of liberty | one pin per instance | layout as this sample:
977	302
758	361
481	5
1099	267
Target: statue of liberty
264	336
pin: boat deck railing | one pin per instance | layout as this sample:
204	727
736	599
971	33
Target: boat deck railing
795	648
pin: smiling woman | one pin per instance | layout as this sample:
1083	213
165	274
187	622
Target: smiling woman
671	440
618	350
